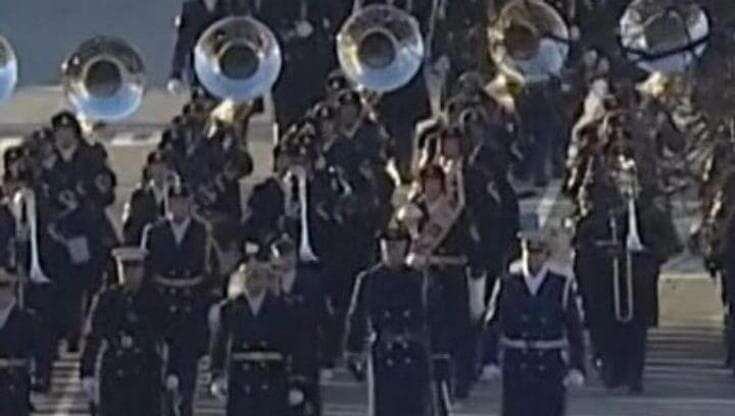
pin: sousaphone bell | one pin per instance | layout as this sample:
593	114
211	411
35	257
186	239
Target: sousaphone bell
529	40
8	69
380	48
664	35
104	79
238	59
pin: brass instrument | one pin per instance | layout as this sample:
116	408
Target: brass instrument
238	59
306	253
664	35
104	79
529	40
624	302
8	69
380	47
24	208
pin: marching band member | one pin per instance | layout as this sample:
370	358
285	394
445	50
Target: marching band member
402	109
23	346
305	32
75	188
443	245
178	247
301	287
534	318
125	327
388	333
146	204
253	345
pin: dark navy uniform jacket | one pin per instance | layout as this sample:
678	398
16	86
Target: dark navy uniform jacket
131	326
21	341
142	209
389	319
517	316
255	352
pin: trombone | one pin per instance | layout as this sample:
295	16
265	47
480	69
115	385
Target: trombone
26	215
623	291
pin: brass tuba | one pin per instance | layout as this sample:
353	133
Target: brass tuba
8	69
104	79
238	59
664	35
529	40
380	48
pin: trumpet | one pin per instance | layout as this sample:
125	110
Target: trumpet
24	209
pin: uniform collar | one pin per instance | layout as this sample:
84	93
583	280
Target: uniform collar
5	312
534	282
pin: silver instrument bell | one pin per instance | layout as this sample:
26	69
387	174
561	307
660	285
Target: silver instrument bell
238	59
8	69
104	79
664	35
380	48
529	40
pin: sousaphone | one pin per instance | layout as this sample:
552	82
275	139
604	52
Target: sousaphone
529	40
104	79
238	59
8	69
380	48
664	35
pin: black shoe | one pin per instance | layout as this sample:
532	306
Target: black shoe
635	389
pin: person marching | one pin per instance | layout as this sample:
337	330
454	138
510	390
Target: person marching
301	287
146	204
125	327
533	316
178	248
22	342
253	345
388	333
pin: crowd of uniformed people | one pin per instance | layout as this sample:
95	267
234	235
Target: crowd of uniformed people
393	250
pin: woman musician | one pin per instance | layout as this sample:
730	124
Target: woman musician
443	246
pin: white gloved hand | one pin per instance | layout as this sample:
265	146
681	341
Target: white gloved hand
574	378
326	374
218	388
491	372
175	86
295	397
574	33
304	29
89	387
172	383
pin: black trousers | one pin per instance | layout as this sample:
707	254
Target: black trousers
624	353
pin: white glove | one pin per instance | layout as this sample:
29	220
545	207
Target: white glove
442	65
574	33
219	388
574	378
295	397
326	374
304	29
175	86
172	383
491	372
89	387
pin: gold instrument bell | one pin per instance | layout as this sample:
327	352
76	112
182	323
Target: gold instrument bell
238	59
380	48
664	35
529	40
8	69
104	79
